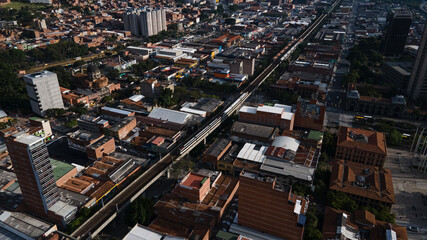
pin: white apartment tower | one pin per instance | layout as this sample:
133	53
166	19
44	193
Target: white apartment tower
43	91
145	22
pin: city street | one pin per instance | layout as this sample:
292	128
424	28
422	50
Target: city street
410	186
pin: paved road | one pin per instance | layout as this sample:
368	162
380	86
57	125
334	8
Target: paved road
65	63
409	187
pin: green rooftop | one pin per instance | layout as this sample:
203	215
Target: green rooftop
226	235
36	119
60	168
315	135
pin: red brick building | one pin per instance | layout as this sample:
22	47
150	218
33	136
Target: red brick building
280	116
179	215
103	146
121	129
310	115
193	187
361	146
216	151
266	206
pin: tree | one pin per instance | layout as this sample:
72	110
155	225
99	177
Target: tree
140	211
55	112
340	200
78	63
79	108
230	21
166	99
311	228
65	78
233	8
106	99
394	137
113	74
324	157
329	143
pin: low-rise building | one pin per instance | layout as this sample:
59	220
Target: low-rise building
361	146
115	114
216	151
310	115
171	115
253	133
361	224
80	139
152	87
91	124
19	225
279	115
103	146
394	106
122	128
369	186
195	206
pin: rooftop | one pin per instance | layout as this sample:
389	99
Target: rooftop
60	168
25	224
39	74
357	179
193	180
253	153
116	110
218	147
253	129
169	115
363	139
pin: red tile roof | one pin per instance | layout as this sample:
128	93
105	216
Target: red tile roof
361	180
376	142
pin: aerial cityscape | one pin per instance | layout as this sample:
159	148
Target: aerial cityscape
213	119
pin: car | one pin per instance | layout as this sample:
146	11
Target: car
413	229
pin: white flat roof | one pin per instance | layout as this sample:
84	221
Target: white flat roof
170	115
29	139
142	233
288	169
270	109
286	143
115	110
287	115
136	98
193	111
249	153
62	209
247	109
286	108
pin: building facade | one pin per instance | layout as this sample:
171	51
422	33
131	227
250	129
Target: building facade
266	206
397	31
43	91
418	83
394	106
361	146
279	116
145	22
34	171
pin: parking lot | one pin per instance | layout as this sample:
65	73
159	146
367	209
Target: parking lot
410	189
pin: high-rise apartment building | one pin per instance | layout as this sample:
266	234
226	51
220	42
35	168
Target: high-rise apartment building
266	206
145	22
43	91
33	169
418	82
397	31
